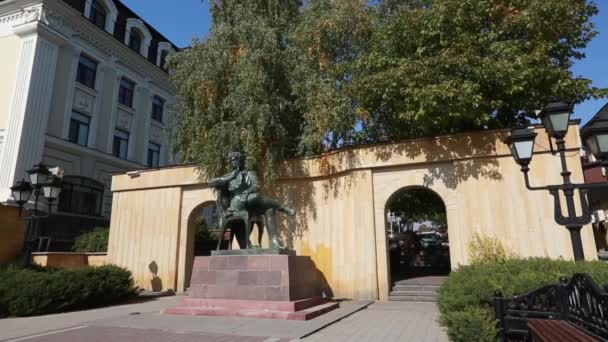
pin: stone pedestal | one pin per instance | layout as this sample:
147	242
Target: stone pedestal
279	286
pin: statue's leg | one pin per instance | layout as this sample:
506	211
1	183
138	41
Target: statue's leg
265	202
271	223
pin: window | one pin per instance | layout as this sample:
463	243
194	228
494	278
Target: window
135	41
158	106
79	129
80	195
120	147
98	15
163	59
125	93
86	73
153	154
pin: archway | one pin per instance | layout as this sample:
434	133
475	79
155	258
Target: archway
203	234
417	234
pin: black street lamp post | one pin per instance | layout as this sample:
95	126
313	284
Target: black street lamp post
43	183
556	118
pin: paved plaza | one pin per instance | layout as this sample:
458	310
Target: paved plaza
354	321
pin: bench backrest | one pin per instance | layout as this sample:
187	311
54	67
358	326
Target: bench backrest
580	301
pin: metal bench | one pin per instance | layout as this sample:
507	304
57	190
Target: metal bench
547	330
578	308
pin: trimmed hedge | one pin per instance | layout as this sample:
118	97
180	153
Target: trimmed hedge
466	299
29	292
93	241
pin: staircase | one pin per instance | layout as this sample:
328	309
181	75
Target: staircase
423	289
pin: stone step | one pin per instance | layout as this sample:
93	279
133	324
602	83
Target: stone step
236	304
416	288
413	293
428	280
412	299
302	315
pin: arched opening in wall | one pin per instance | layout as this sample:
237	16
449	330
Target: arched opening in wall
206	233
203	234
417	234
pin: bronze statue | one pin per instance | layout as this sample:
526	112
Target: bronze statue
240	201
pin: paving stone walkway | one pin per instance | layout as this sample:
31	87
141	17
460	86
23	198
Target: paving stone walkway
387	321
354	321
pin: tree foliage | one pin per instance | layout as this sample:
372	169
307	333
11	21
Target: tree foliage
282	78
418	204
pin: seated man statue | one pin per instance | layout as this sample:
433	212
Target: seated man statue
244	189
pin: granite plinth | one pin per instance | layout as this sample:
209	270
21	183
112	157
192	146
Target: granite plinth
255	251
261	285
254	277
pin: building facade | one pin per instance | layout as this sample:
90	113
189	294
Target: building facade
596	172
83	86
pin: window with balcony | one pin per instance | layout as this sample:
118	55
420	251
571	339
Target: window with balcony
79	129
158	107
87	71
120	148
153	154
98	14
125	93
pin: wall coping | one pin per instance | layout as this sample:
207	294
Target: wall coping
431	151
69	253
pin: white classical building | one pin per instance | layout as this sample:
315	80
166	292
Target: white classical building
83	86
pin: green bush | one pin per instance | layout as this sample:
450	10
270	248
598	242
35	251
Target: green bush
28	292
466	299
93	241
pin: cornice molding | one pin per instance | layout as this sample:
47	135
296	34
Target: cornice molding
65	23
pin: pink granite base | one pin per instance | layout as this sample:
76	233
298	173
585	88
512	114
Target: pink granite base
258	286
297	310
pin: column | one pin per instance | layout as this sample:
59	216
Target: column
67	114
138	126
30	106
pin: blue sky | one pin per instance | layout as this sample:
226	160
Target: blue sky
181	20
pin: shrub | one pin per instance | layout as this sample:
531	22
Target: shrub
27	292
484	249
466	299
93	241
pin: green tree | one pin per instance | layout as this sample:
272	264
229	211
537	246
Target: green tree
419	204
234	88
328	39
442	66
283	78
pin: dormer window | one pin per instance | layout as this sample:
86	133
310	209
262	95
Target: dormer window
98	14
102	13
163	59
164	49
138	37
135	41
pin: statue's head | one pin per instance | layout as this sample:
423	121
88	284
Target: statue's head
236	160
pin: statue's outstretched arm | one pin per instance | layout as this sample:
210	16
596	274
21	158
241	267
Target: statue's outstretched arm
221	181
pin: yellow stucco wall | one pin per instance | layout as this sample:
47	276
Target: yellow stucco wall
12	233
145	235
9	45
341	200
